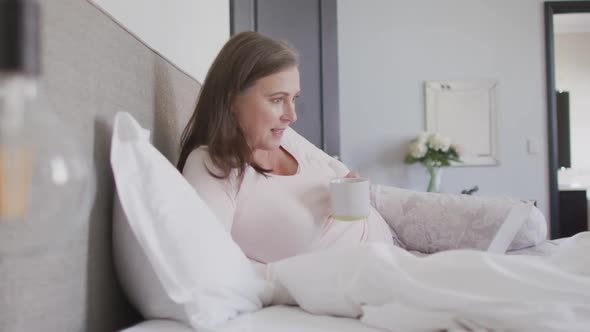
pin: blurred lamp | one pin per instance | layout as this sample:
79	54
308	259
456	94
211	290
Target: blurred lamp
46	181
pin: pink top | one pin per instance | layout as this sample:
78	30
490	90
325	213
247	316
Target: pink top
276	217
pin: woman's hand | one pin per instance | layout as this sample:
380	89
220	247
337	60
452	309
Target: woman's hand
352	174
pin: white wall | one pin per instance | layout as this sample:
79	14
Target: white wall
572	73
387	49
189	33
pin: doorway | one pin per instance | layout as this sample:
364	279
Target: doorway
560	227
310	26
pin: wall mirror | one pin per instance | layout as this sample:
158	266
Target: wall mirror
466	112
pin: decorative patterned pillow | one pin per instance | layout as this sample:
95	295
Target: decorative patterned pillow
430	222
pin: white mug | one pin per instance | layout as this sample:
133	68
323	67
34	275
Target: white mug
349	198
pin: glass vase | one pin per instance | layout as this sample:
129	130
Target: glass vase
434	182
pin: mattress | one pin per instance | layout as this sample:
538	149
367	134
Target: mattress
270	319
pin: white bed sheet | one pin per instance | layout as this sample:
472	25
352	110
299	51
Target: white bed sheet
287	319
270	319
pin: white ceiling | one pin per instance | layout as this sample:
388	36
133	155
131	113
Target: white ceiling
570	23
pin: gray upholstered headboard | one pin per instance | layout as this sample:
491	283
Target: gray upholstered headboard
92	69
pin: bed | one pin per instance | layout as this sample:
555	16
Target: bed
164	235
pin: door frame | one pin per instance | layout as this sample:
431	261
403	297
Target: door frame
551	8
243	17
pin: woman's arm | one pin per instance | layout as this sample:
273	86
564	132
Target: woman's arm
218	194
220	197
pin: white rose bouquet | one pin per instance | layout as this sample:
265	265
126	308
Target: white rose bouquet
433	151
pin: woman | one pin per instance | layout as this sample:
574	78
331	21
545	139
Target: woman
267	184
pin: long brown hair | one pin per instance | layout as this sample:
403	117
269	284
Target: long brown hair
245	58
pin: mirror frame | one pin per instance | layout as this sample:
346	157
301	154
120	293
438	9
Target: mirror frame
476	100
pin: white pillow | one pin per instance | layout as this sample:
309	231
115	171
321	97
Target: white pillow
174	258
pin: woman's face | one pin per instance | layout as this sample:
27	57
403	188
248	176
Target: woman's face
267	108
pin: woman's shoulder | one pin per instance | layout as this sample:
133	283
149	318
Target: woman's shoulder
198	158
218	193
199	165
199	162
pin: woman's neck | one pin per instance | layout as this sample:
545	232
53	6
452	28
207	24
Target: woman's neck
265	158
279	161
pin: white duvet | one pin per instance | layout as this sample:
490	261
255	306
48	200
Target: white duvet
389	288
